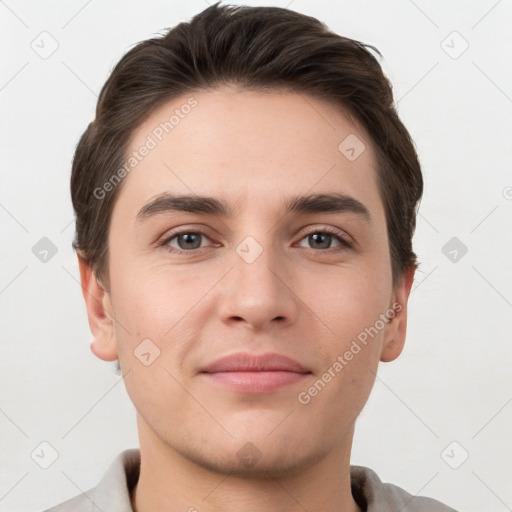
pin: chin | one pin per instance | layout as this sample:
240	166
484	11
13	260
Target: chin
251	462
254	456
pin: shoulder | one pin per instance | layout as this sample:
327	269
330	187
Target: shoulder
376	496
112	494
80	503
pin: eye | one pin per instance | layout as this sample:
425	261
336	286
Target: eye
184	241
188	242
322	239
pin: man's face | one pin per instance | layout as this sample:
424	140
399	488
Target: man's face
255	280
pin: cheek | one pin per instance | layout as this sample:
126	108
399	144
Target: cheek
353	355
153	297
348	301
162	306
338	393
154	333
350	348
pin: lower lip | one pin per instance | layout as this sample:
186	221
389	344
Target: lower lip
256	382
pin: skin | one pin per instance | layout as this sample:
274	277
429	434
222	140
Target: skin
253	150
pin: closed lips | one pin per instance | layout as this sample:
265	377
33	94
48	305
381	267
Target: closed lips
246	362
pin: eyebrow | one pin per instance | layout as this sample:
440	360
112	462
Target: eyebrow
313	203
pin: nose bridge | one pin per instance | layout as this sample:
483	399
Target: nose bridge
254	265
256	291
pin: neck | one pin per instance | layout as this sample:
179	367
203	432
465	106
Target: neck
170	481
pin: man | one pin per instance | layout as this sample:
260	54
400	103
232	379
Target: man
245	203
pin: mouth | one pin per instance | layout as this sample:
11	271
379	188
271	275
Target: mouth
253	373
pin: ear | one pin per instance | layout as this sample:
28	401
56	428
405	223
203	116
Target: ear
99	313
394	335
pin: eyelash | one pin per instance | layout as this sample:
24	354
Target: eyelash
344	243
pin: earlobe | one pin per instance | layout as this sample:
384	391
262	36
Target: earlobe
99	313
395	333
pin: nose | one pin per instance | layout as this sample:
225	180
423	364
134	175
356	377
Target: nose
258	292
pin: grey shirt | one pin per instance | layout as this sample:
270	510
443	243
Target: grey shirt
112	494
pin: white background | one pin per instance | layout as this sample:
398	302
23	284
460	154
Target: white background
453	380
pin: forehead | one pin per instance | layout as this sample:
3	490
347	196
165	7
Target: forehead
249	147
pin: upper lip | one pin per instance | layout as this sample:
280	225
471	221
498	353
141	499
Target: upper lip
246	362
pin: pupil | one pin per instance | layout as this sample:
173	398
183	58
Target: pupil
189	238
318	236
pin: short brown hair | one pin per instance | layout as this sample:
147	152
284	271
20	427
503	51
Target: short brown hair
253	48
